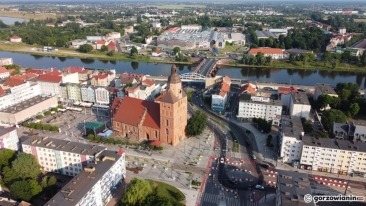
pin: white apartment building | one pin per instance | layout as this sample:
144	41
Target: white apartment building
88	94
19	93
50	84
285	95
291	134
251	106
334	156
9	138
324	89
300	105
6	61
70	78
102	95
96	184
60	156
4	73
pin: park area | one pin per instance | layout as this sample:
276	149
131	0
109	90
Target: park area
150	192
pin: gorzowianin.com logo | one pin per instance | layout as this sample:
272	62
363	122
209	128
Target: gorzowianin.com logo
333	198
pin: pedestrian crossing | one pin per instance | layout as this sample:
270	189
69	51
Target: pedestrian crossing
215	199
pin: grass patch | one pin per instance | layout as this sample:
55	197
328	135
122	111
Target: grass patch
233	48
235	147
167	191
29	15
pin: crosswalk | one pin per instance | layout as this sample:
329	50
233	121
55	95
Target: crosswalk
215	199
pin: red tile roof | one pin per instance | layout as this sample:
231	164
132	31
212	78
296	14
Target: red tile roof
115	103
36	71
286	90
254	51
15	37
131	111
3	70
225	87
112	44
101	42
248	88
100	76
112	90
54	77
149	82
120	151
74	69
2	92
12	82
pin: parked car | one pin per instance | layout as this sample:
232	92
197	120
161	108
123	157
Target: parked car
254	157
259	187
222	160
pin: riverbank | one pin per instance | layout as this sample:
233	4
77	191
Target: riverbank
277	64
71	53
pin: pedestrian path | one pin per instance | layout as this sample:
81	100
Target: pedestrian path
215	199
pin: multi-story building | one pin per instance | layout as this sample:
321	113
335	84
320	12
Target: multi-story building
96	184
291	134
275	53
19	93
292	188
103	79
219	100
63	92
324	89
102	95
6	61
4	73
81	71
350	131
73	92
50	83
88	93
285	95
334	156
60	156
300	105
257	104
9	138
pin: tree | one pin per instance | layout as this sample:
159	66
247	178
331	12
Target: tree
332	116
196	124
292	58
85	48
46	127
363	59
25	190
263	125
260	58
136	192
326	57
6	157
104	48
111	53
306	124
354	108
90	137
26	166
134	51
189	95
268	60
176	50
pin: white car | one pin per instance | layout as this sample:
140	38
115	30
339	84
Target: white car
222	160
259	187
254	157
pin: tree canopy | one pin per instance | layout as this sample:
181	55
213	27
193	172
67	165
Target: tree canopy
6	157
25	189
196	124
85	48
331	116
136	192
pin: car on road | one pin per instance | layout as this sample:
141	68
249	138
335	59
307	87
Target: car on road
254	157
259	187
222	160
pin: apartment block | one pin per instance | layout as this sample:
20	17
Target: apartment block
291	134
95	184
18	93
60	156
334	156
9	138
300	105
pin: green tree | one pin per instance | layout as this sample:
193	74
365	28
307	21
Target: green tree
268	60
26	166
326	57
85	48
331	116
176	50
104	48
189	95
110	140
51	181
111	53
196	124
354	108
46	127
39	116
90	137
134	51
292	58
263	125
136	192
6	157
260	58
25	190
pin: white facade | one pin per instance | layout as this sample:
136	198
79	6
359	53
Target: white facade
4	74
73	92
88	94
70	78
50	88
290	139
6	61
19	93
63	92
156	25
9	139
102	95
299	105
114	35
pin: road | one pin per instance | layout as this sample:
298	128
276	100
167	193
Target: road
206	67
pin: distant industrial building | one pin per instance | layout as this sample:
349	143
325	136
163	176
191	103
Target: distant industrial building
265	34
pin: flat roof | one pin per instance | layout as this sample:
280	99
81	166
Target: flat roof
334	144
6	130
81	184
325	88
26	104
292	126
300	98
265	34
293	186
62	145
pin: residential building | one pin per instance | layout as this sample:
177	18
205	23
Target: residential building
300	105
4	73
350	131
50	83
73	92
113	35
334	155
102	95
101	43
81	71
96	183
359	47
9	138
163	120
220	99
324	89
6	61
275	53
18	93
291	189
129	30
156	53
27	109
60	156
285	95
156	25
15	39
63	92
255	103
88	93
77	43
291	134
128	79
72	78
103	79
112	46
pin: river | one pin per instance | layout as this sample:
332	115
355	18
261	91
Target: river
11	20
289	76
